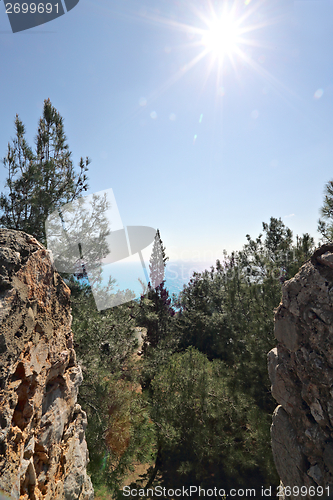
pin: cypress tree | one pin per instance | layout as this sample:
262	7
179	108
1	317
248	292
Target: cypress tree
155	308
157	262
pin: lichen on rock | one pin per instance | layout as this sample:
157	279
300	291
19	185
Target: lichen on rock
43	451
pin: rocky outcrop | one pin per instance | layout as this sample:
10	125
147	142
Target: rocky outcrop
301	372
43	452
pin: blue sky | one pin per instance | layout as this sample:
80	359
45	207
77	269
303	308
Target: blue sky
206	152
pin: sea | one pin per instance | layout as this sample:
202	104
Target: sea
179	273
133	276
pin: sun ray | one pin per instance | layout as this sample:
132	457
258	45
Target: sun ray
222	48
222	51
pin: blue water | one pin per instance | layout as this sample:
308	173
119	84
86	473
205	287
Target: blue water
127	275
179	274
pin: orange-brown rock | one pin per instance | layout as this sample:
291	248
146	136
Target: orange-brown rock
43	451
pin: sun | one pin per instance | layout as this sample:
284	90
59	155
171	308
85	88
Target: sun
227	34
222	37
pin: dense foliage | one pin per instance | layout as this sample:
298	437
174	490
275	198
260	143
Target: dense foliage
224	325
120	431
207	433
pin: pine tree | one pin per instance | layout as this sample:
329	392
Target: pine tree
206	432
227	313
39	181
325	225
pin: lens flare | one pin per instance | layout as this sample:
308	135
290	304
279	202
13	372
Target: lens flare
318	94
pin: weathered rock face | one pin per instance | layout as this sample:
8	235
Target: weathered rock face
301	372
43	452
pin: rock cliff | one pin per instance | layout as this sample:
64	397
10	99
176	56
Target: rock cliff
43	452
301	373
